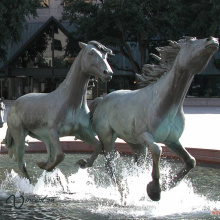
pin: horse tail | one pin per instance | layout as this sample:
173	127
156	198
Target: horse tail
93	105
9	143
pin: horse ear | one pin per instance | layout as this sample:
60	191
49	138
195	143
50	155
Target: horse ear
82	45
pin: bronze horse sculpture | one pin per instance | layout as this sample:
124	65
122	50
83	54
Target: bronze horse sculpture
153	114
63	112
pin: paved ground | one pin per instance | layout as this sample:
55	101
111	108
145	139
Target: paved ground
201	130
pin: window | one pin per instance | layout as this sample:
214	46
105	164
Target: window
47	51
57	45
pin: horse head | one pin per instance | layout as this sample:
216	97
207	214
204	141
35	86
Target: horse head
196	53
94	60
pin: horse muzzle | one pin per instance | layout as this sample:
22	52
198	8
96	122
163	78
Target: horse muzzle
107	75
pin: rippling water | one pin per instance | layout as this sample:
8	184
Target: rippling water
72	193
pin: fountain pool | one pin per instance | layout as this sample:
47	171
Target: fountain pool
71	193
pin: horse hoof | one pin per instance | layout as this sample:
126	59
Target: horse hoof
42	165
153	191
82	163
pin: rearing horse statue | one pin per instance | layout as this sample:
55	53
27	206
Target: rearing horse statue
154	114
63	112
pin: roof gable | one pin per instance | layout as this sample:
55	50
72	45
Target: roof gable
31	33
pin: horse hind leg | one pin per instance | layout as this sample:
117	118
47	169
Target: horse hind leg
19	150
108	141
140	153
188	160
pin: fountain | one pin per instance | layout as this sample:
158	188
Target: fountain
70	193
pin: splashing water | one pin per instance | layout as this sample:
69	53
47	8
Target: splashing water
90	193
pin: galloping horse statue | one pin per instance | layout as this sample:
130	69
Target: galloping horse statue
154	114
2	109
63	112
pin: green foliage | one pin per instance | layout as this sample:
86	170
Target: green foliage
201	18
116	22
13	15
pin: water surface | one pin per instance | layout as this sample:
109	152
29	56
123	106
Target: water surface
72	193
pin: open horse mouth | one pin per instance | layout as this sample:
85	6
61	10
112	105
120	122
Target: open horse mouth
212	43
108	78
212	46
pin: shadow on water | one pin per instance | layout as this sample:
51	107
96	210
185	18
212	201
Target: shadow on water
72	193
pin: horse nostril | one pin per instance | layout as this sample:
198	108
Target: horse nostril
105	71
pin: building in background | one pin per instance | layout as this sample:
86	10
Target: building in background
38	63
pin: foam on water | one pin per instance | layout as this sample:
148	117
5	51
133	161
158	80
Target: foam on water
94	186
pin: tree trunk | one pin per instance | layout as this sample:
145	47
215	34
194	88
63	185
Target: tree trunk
128	54
143	47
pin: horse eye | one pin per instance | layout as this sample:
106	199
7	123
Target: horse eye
91	52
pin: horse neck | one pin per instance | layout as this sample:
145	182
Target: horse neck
170	90
74	86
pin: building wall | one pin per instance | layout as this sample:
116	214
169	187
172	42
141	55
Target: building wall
54	9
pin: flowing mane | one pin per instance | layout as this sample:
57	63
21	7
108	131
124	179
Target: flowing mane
167	55
101	47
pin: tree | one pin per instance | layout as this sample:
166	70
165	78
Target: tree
13	15
200	18
117	22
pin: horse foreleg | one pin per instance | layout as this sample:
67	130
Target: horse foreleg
54	138
88	137
51	155
188	159
153	188
50	150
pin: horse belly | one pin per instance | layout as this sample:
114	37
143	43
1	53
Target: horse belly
125	128
69	129
74	124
